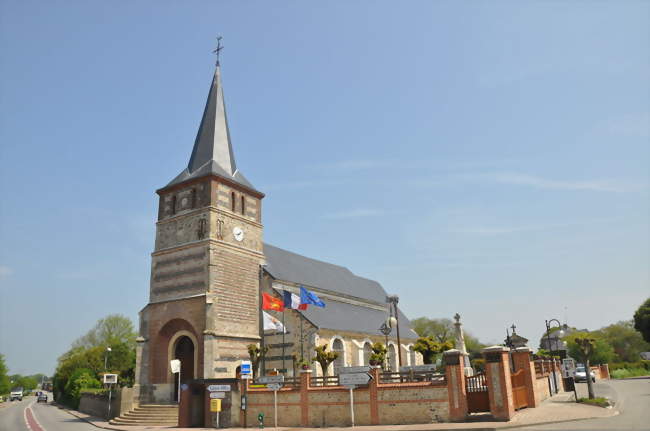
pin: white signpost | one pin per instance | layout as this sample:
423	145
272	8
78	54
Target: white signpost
175	365
351	381
273	383
110	379
218	388
217	395
246	370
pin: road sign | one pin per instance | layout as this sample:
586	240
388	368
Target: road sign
175	365
246	370
271	379
218	388
110	378
274	386
354	379
217	395
352	370
418	368
568	368
215	405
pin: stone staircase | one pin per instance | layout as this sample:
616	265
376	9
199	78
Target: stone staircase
149	414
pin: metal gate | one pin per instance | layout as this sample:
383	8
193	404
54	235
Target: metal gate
478	399
519	392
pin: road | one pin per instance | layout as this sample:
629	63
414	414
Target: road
42	417
632	400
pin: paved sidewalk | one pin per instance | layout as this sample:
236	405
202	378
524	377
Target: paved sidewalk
560	408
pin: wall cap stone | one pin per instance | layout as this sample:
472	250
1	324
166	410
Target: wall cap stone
305	371
496	349
140	339
451	352
524	349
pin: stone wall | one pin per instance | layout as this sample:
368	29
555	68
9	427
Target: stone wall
97	405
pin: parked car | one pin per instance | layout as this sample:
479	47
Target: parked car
42	397
581	375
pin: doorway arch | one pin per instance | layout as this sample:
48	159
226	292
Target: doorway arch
183	346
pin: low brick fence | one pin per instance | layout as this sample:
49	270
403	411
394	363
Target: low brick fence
311	403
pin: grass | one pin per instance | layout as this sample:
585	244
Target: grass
623	373
600	402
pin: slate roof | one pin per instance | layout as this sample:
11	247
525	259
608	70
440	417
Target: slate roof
338	315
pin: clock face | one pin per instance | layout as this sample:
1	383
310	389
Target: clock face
238	233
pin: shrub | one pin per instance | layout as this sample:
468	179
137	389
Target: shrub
81	378
478	364
623	373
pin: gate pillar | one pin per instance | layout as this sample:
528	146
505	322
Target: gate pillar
522	358
457	392
497	373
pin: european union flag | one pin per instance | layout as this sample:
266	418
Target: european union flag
307	297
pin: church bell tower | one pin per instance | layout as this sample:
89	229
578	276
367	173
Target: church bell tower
204	293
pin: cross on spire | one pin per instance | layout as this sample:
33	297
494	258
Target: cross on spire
513	328
218	49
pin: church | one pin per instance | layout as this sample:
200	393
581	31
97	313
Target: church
210	267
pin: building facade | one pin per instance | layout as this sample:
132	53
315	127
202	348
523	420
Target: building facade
210	265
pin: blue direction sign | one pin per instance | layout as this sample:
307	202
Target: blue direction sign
246	370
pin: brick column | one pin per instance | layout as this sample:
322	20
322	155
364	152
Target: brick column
305	375
604	371
456	390
373	395
497	373
522	357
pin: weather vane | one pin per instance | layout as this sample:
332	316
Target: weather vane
218	49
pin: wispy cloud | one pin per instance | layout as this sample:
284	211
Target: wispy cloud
354	213
308	184
5	271
547	183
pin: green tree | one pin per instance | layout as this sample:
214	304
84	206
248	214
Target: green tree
473	346
255	353
80	379
642	320
625	340
600	353
585	349
428	347
5	383
111	330
324	358
440	329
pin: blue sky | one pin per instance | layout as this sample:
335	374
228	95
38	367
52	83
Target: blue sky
486	158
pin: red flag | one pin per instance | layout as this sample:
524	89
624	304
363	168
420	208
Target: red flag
271	303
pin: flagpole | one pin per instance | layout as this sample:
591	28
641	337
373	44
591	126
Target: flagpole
284	330
261	329
302	350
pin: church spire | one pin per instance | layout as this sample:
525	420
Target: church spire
213	139
212	153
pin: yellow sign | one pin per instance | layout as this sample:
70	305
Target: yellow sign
215	405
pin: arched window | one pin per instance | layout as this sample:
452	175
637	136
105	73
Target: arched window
243	205
193	198
233	203
367	351
173	204
392	357
337	346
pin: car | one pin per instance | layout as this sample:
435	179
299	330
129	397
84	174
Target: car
581	375
16	394
42	397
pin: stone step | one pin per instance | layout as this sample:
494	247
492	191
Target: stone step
149	415
118	421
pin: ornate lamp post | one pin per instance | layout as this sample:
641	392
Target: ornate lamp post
548	339
393	300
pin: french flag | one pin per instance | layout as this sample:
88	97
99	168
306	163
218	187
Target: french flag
291	300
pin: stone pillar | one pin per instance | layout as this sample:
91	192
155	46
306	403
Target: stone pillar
141	371
457	392
305	375
522	358
497	373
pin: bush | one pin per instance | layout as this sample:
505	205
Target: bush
623	373
628	365
478	364
80	379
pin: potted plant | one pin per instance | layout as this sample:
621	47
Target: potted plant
378	355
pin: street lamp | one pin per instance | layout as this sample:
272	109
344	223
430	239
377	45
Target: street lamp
108	349
393	300
548	338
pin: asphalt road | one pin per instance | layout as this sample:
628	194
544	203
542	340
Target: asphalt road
632	400
46	417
